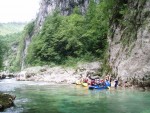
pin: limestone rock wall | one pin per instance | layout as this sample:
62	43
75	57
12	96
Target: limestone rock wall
64	6
132	62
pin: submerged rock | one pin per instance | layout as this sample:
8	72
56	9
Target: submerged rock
6	101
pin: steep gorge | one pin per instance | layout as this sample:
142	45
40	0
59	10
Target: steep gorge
129	41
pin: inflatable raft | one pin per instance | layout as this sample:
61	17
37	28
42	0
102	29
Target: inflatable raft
98	87
107	86
85	84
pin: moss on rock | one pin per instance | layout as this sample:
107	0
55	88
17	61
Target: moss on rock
6	101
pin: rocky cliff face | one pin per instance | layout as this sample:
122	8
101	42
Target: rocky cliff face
64	6
131	61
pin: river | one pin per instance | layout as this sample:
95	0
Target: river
41	97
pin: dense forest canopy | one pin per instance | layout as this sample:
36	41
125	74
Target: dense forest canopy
67	39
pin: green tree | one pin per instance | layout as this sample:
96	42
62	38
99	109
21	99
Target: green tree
68	36
74	36
42	48
96	25
2	51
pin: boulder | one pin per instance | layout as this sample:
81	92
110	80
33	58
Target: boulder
6	101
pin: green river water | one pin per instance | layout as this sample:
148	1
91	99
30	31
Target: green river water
38	97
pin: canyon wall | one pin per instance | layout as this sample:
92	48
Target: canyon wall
129	48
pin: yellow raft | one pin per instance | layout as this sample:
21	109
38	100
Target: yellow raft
78	82
84	84
81	83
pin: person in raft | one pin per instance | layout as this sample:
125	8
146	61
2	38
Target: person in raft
116	83
107	82
92	82
85	80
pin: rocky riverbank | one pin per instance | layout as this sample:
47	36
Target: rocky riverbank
6	101
4	75
58	74
61	75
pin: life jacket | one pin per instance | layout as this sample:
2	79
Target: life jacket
92	82
107	83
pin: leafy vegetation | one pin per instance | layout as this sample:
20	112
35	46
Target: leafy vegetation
10	35
15	63
9	39
11	32
68	39
29	28
128	17
12	53
2	52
